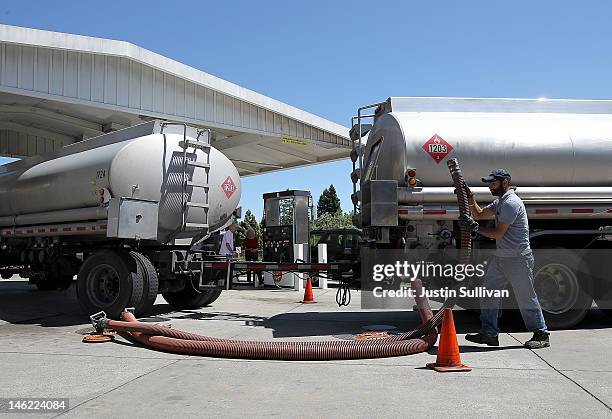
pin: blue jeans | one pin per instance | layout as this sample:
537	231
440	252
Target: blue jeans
518	271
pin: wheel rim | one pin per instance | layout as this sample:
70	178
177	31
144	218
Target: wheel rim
103	285
557	287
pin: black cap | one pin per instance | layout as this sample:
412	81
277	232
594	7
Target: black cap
497	174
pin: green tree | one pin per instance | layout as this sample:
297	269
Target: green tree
328	203
333	221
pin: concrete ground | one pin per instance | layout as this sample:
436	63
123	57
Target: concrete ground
42	356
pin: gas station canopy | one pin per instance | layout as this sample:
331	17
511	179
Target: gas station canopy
57	88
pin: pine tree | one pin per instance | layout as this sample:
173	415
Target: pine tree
328	203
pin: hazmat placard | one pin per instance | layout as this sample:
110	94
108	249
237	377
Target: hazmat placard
437	148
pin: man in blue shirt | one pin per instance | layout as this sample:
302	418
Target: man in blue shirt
513	263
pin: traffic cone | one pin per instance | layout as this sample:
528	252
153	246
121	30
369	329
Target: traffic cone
449	358
308	296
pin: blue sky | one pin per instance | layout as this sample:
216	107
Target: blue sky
329	57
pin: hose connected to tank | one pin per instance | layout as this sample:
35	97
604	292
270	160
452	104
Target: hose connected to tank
171	340
467	225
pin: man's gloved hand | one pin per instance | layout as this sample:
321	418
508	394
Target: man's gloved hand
468	223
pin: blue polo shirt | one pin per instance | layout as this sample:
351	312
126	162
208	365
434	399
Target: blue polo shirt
509	209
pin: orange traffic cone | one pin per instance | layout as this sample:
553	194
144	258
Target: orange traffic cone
449	358
308	296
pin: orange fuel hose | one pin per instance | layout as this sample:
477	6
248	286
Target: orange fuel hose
171	340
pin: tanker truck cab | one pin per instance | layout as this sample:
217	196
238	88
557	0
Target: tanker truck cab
121	212
558	152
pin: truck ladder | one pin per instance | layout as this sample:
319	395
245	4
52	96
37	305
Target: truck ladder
190	160
202	142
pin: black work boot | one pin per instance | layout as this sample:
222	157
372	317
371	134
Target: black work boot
539	340
482	339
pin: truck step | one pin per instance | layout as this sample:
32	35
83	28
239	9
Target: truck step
197	185
195	163
202	145
196	204
196	225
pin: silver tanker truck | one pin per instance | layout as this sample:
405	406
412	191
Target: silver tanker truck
559	153
120	210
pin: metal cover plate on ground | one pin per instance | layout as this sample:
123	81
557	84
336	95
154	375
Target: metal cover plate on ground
378	327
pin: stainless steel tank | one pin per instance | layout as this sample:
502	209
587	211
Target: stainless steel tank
139	162
541	143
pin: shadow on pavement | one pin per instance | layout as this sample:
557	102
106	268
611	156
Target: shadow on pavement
21	303
341	323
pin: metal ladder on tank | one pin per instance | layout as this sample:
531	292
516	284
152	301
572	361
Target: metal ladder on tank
202	142
357	132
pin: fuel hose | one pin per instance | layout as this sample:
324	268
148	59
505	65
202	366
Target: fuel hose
466	226
167	339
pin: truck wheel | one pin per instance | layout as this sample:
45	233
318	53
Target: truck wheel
109	281
563	286
191	298
150	284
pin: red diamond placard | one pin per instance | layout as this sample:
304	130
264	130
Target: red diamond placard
228	187
437	148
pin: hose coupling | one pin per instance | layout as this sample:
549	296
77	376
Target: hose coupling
99	321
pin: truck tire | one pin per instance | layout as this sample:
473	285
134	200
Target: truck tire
150	284
564	287
109	281
190	298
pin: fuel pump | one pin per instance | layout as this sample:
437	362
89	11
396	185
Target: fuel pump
286	233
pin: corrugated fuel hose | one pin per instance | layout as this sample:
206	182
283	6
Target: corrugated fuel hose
170	340
466	225
419	340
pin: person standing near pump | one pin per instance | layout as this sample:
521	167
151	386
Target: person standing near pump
227	243
251	252
513	262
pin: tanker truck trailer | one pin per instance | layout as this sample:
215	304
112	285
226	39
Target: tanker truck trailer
120	211
558	152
